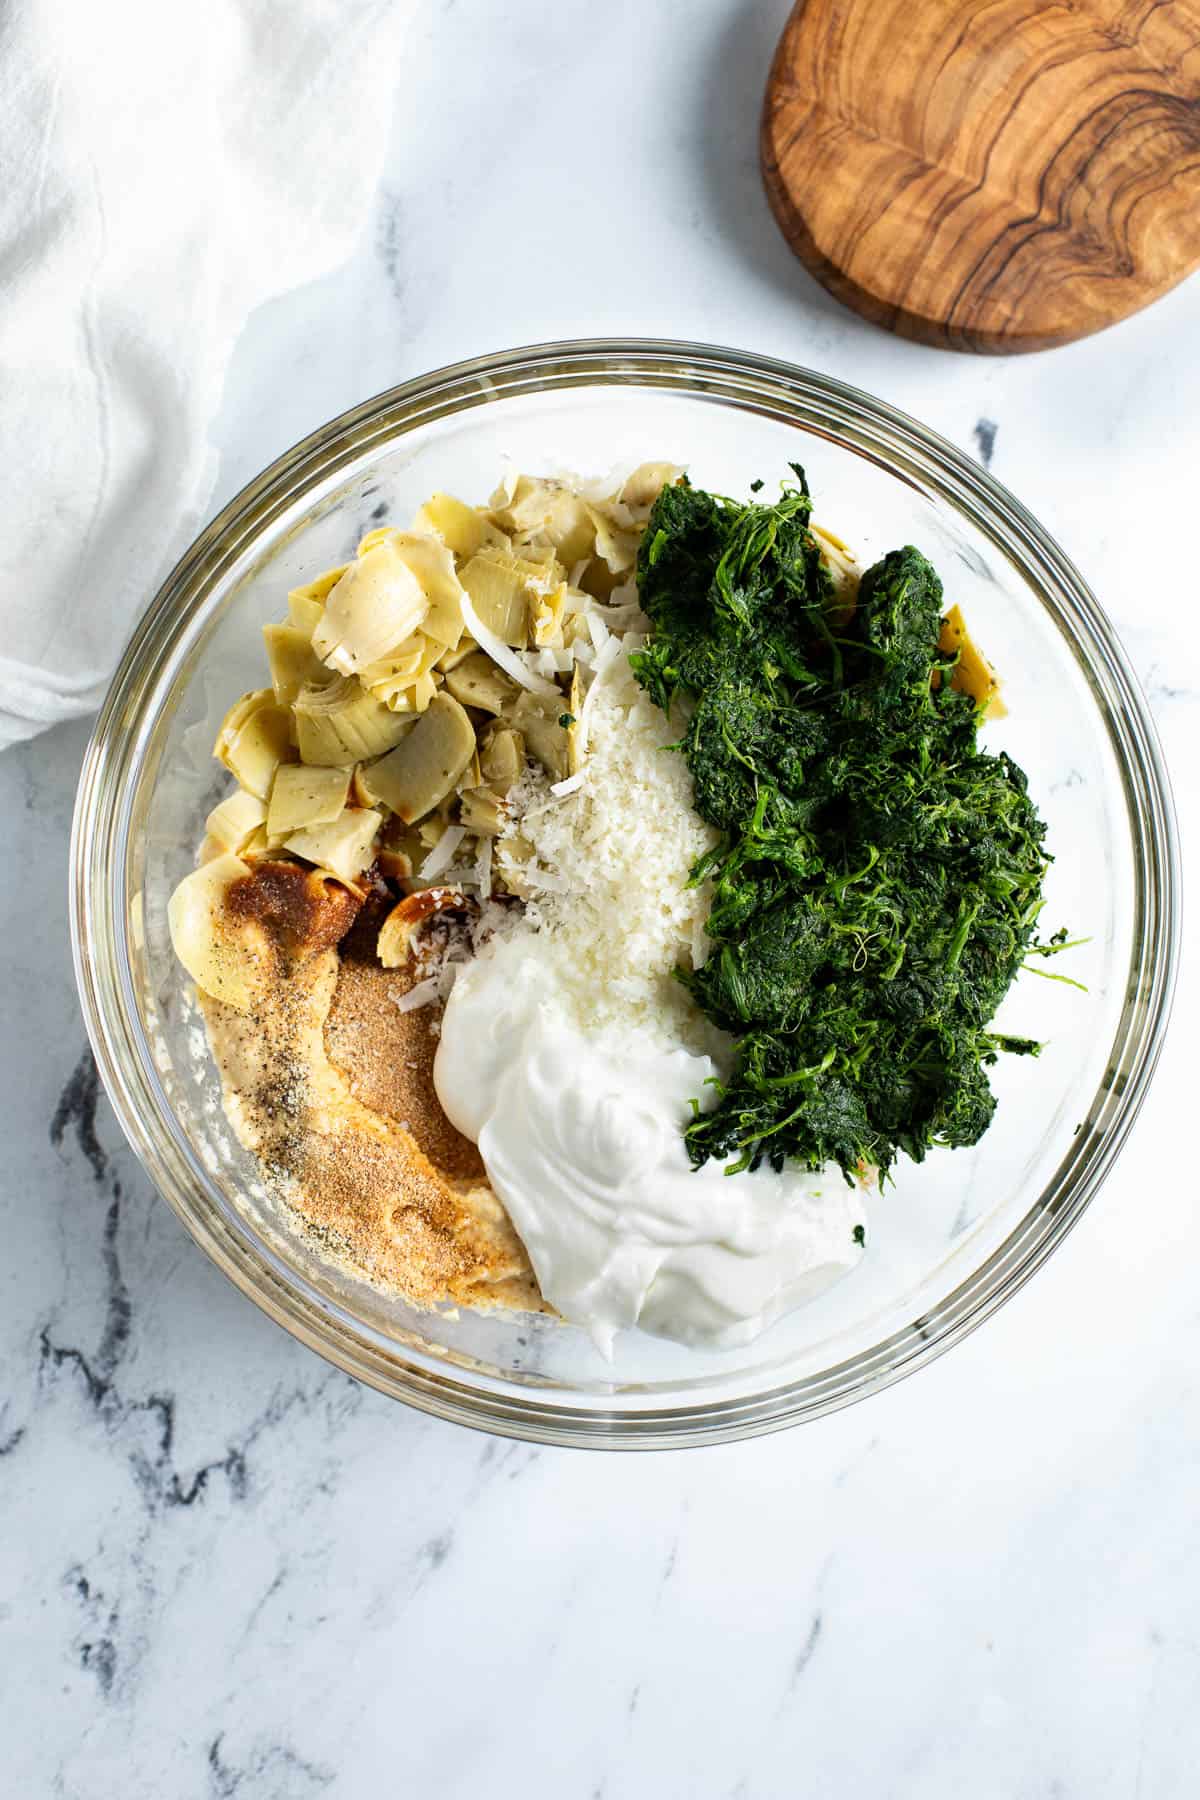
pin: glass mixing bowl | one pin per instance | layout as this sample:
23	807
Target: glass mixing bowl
953	1238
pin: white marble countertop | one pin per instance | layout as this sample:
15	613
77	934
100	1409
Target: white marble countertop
226	1570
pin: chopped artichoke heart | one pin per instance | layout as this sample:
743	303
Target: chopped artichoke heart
401	851
503	758
450	659
235	820
973	674
480	810
362	788
416	697
338	722
376	535
478	682
426	767
504	655
546	616
552	514
229	966
431	564
292	660
512	853
641	489
543	734
496	583
257	845
304	795
399	680
254	739
843	572
231	824
236	717
525	501
505	488
404	664
615	545
307	603
344	847
571	530
544	567
397	693
461	528
376	605
305	614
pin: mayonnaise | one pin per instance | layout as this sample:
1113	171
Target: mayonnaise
581	1136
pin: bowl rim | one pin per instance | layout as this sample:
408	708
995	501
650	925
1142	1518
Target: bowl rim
865	424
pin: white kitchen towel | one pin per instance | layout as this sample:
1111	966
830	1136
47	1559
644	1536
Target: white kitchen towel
164	169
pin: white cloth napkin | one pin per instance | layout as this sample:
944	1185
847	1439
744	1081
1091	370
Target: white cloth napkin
163	170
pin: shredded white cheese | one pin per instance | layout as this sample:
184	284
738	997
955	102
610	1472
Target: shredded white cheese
511	661
422	993
443	852
482	871
611	912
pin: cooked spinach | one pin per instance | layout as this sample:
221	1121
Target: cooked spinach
878	877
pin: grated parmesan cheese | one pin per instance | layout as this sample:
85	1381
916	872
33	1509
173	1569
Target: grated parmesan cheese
443	852
422	993
611	913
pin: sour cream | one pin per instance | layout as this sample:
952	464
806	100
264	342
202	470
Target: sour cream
581	1136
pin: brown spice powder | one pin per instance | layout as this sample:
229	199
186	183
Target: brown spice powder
330	1085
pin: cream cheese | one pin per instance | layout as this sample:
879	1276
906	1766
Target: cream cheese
580	1133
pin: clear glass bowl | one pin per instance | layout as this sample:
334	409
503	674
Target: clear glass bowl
952	1239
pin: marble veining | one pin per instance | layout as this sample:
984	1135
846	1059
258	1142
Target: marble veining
984	433
227	1570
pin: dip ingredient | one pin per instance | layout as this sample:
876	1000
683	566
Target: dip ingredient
879	876
581	1133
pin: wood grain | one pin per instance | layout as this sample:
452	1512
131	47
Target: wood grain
990	175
